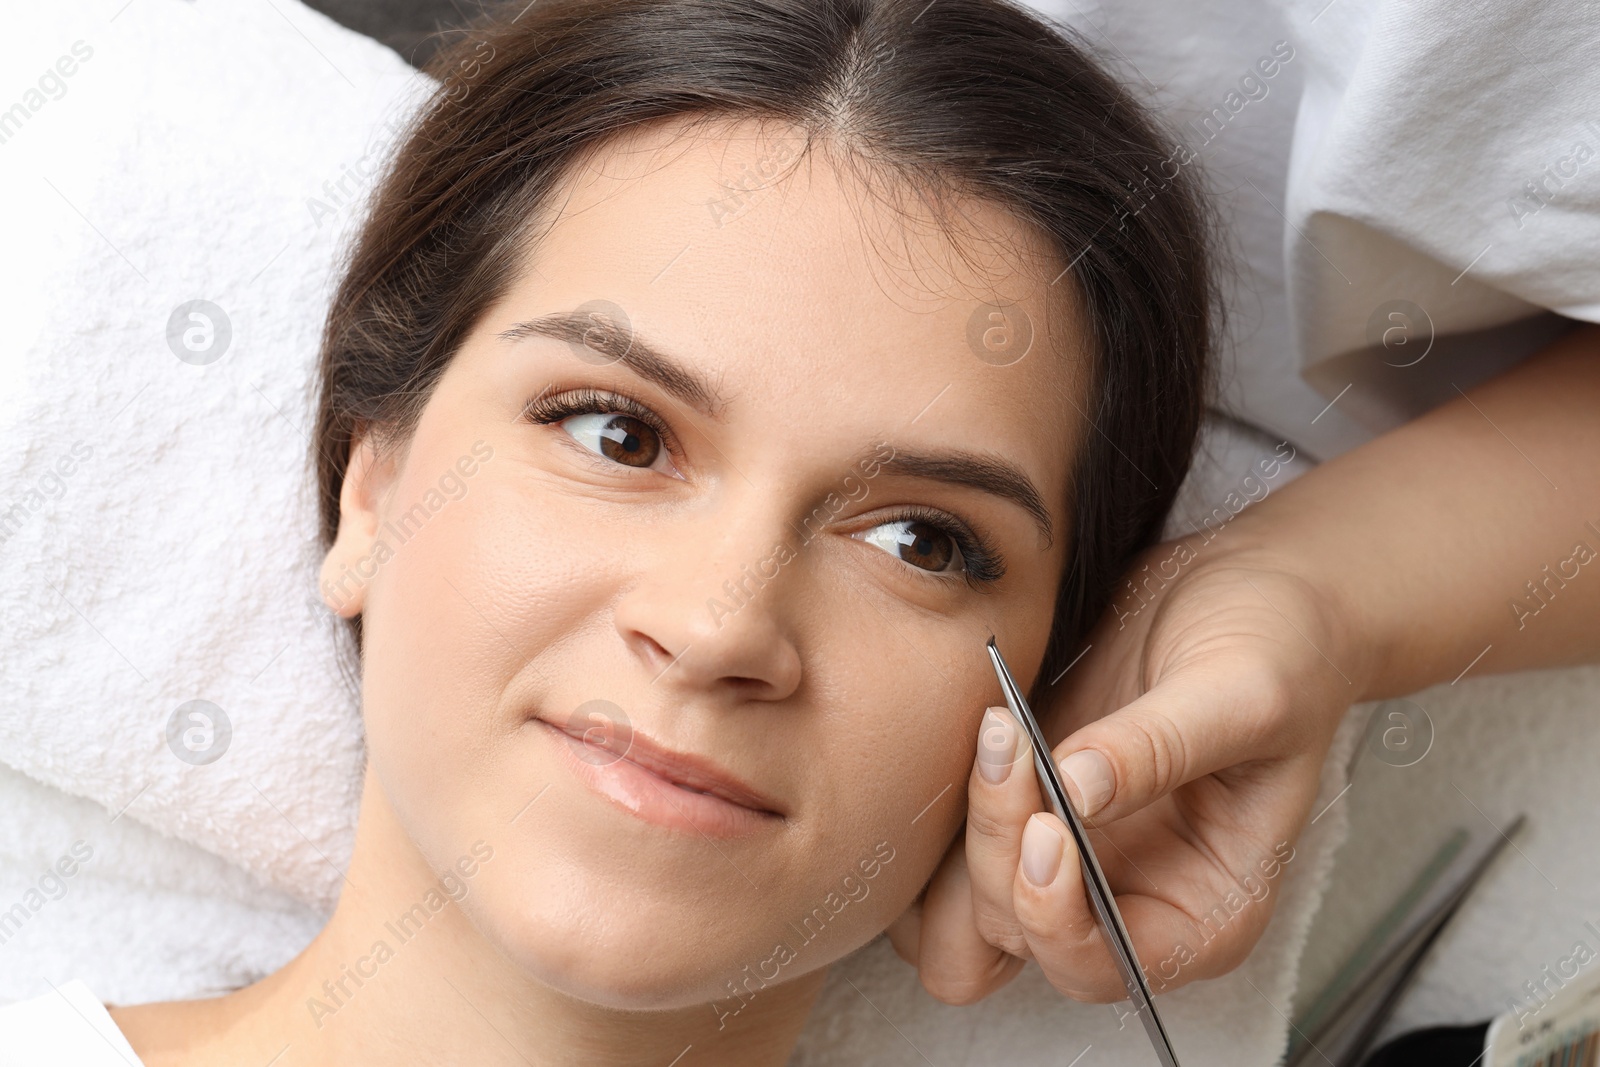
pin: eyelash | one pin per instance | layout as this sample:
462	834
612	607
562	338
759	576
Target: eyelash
546	410
984	565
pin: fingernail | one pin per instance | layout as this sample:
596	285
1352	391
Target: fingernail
997	745
1041	851
1090	771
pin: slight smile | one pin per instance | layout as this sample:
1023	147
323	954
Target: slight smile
678	791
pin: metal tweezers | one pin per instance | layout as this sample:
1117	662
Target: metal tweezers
1105	905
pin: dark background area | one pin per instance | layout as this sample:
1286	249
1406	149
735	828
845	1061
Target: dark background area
414	28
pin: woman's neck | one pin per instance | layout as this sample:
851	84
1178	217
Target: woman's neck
391	980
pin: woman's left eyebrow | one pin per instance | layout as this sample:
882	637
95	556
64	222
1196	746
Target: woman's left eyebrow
619	343
987	474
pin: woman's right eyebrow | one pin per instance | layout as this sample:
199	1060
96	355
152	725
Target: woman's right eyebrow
617	342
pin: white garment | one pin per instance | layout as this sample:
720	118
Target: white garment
1442	153
67	1027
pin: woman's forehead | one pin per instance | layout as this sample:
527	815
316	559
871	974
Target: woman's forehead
813	293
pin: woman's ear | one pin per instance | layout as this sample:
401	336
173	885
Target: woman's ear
357	552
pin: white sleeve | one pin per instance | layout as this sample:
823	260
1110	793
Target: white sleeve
1397	177
1443	189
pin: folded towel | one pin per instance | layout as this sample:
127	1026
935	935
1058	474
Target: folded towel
158	534
174	723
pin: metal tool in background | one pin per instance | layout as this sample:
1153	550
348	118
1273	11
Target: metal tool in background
1339	1027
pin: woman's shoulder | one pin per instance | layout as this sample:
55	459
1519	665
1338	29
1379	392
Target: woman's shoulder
66	1027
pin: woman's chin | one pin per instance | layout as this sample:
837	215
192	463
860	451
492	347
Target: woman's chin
622	951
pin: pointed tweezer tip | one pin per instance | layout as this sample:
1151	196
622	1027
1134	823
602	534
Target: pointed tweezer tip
998	664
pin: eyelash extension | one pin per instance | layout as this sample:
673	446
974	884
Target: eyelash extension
545	410
984	565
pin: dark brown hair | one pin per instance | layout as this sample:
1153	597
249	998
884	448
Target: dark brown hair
977	95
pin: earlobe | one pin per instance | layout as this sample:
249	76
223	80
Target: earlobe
350	563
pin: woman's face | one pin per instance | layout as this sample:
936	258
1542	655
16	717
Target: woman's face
758	521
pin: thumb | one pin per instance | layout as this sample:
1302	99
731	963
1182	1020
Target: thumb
1180	730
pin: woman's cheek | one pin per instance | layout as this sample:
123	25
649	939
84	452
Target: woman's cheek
937	794
914	816
440	640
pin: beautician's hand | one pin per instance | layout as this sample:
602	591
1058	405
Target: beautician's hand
1195	730
1198	724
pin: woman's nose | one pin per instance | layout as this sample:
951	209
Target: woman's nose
716	613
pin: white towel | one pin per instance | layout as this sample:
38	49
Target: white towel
170	557
158	532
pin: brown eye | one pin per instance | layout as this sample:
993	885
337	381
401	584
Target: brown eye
618	437
918	543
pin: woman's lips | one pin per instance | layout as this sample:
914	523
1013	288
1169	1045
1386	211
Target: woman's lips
663	787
